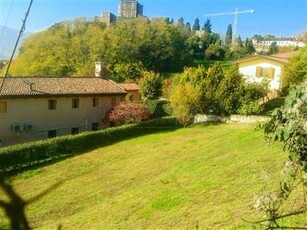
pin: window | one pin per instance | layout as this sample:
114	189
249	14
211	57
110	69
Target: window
52	133
52	104
95	126
75	103
265	72
3	106
113	101
75	130
95	102
258	71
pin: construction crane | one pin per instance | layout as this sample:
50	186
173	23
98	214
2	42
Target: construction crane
235	13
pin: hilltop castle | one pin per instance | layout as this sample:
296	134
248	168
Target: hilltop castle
126	9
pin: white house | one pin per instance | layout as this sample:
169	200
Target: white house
260	67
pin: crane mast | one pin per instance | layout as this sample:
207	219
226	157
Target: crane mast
235	24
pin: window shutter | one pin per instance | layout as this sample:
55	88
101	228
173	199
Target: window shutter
271	72
258	71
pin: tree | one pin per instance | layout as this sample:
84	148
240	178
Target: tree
193	75
71	48
207	26
151	85
230	90
257	37
188	26
273	48
250	49
180	22
288	126
215	52
196	25
303	36
228	38
185	100
127	72
296	70
210	99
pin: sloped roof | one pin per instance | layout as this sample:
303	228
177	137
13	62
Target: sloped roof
57	86
280	59
130	86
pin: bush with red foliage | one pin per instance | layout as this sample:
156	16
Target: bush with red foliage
127	112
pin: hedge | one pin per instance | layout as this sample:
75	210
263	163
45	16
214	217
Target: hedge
33	153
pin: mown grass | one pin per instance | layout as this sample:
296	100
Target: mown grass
203	176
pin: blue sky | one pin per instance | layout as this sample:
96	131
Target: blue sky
277	17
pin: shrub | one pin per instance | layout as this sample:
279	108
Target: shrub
151	85
125	113
34	153
185	102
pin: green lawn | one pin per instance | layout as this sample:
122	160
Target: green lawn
203	176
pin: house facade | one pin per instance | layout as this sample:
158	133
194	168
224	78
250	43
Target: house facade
260	68
133	91
38	108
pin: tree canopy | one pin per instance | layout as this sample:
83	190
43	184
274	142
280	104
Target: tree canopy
70	48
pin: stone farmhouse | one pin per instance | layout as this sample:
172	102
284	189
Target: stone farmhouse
36	108
261	67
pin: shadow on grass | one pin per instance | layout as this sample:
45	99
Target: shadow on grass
17	159
15	206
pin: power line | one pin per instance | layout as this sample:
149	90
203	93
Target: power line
22	29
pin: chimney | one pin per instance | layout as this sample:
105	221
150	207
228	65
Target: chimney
98	69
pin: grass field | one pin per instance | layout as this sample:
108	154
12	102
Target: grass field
204	176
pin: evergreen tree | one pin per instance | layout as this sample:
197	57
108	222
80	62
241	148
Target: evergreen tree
228	38
207	26
239	41
196	25
181	22
249	46
188	26
273	49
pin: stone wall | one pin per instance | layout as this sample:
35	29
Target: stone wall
199	118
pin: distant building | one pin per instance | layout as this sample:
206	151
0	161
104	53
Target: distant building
126	9
108	18
130	9
263	45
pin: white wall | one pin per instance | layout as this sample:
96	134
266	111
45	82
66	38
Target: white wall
249	73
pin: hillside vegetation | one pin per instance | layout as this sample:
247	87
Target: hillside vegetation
203	176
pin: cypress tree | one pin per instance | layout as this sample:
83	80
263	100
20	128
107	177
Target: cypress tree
228	38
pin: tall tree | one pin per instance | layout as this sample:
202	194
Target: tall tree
207	26
181	22
273	48
296	70
228	38
249	46
188	26
196	25
215	75
230	90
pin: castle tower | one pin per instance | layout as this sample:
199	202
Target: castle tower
130	9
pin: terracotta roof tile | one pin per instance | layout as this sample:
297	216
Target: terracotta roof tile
50	86
130	86
278	59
